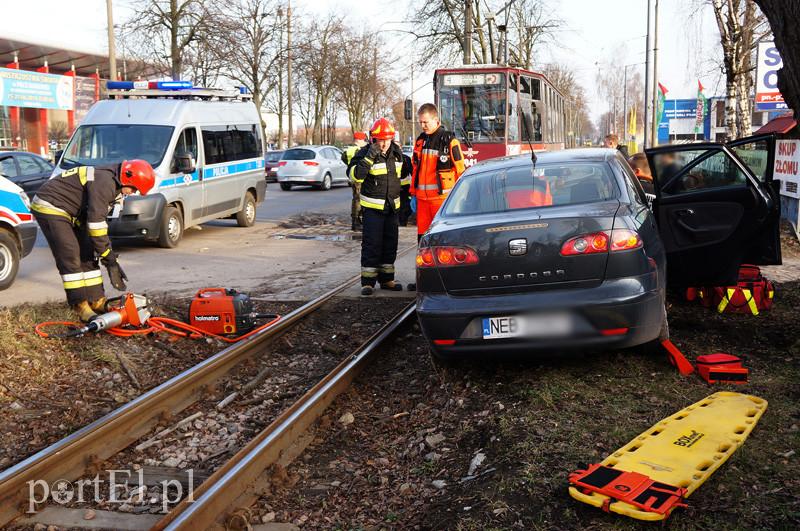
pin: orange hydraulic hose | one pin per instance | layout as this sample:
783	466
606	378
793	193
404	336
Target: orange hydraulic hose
160	324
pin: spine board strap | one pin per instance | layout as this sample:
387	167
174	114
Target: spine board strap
629	487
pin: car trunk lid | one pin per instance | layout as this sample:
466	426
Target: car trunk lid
520	251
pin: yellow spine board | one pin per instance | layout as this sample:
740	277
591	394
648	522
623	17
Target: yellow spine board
684	449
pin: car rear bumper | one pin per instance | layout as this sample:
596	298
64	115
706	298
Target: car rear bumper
27	237
140	218
300	178
634	304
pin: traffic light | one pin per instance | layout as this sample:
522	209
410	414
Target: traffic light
407	111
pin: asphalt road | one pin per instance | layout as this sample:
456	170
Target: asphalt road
216	253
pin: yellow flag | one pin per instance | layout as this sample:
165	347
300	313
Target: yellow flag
632	121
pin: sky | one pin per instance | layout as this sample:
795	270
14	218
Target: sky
593	34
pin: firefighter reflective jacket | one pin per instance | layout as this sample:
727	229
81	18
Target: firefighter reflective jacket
84	195
437	164
379	178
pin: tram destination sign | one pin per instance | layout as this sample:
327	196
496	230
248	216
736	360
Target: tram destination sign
472	79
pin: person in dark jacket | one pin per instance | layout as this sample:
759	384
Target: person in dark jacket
612	141
641	169
71	209
379	168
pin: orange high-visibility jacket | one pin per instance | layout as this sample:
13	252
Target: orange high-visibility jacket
437	164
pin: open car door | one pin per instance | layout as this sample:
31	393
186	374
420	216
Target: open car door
716	210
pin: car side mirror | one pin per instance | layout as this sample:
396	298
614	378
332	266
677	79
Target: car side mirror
184	162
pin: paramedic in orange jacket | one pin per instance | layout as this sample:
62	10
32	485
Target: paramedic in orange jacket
437	164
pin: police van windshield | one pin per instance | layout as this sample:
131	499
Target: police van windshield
111	144
473	105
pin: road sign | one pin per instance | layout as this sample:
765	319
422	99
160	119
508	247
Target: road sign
768	97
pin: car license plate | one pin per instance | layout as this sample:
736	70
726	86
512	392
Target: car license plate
551	325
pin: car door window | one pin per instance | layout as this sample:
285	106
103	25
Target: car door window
687	171
28	166
635	190
7	167
187	142
756	155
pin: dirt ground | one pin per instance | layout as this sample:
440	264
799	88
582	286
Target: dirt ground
404	462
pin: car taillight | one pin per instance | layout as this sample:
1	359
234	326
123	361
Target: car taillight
282	163
310	163
602	242
624	240
446	256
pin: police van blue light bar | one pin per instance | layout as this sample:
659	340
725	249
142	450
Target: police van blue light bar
153	85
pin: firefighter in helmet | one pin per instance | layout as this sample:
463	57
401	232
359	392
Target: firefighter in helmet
378	168
71	209
359	141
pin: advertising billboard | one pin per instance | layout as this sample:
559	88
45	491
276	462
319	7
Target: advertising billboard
21	88
768	97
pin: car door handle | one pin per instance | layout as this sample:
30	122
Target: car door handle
684	212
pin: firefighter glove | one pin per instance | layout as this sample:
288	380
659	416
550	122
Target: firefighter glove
115	272
374	151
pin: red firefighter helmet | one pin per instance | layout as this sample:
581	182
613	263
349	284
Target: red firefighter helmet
360	135
382	129
138	174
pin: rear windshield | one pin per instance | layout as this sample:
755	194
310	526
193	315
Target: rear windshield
274	156
298	154
519	188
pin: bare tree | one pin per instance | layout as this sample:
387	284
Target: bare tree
250	47
161	31
741	25
440	24
783	17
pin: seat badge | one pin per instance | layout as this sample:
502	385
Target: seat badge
518	247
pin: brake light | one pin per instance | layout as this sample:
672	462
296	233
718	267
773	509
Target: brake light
602	242
282	163
614	331
310	163
446	256
444	342
624	240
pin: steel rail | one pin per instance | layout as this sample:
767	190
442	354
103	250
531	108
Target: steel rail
233	487
84	450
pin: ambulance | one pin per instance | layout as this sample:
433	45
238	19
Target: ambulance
17	230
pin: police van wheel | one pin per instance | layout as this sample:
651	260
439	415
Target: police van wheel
171	228
9	259
286	187
326	182
246	217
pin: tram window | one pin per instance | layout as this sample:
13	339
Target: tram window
536	89
477	112
513	118
531	131
525	85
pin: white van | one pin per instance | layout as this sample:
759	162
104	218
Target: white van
205	146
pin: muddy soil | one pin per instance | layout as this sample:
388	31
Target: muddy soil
488	444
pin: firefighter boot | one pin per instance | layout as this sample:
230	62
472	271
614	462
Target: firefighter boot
99	306
84	311
392	286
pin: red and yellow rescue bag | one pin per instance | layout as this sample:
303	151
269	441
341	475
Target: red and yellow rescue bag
752	294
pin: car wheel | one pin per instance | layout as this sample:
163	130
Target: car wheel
286	187
171	228
9	259
326	182
246	217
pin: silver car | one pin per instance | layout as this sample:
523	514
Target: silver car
317	166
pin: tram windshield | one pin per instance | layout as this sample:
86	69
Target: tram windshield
474	105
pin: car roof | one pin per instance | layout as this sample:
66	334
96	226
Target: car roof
315	147
4	153
547	157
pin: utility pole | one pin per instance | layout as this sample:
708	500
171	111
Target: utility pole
289	70
112	49
625	106
647	79
654	131
467	32
280	78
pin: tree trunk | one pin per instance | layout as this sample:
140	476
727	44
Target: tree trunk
783	16
175	52
730	108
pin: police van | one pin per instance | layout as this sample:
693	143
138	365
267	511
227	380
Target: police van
17	230
205	146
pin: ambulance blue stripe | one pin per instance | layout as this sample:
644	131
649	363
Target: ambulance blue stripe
224	170
13	202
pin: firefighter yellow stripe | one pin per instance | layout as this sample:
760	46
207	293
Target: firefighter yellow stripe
105	253
93	281
75	284
98	232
